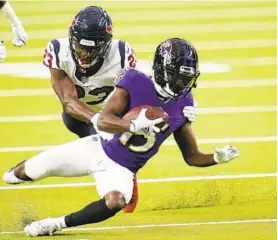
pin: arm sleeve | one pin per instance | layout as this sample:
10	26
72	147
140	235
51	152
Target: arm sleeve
128	58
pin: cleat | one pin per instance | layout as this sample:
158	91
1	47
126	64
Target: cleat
45	227
10	178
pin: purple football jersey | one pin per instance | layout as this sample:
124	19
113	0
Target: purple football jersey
133	151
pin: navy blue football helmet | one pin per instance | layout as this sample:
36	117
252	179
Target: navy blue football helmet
90	36
175	67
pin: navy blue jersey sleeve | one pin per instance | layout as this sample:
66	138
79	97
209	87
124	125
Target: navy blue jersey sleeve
51	56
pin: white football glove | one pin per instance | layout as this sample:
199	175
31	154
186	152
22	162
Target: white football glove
225	154
144	126
3	51
191	112
20	36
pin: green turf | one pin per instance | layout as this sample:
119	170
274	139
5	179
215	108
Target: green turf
169	163
171	202
34	133
252	96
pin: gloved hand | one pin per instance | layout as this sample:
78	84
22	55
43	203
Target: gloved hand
144	126
225	154
191	112
3	51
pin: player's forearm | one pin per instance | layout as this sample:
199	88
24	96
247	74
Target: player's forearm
200	159
112	124
78	110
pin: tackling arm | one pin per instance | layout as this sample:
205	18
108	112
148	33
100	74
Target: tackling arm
108	119
187	143
66	91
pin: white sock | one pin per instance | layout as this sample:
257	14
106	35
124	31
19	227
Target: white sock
10	14
61	222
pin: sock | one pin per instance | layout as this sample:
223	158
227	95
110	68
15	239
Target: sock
93	213
22	175
10	15
61	221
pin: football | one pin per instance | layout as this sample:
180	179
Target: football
151	113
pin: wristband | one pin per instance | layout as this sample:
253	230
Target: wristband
94	119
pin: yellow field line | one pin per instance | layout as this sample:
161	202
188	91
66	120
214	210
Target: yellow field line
148	30
201	111
203	84
151	180
168	142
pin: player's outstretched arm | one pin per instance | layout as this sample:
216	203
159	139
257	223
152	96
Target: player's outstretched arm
187	143
109	120
20	35
66	91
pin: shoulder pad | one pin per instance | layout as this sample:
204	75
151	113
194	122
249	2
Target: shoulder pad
51	55
120	75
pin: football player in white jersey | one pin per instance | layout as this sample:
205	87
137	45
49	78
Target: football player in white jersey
83	66
20	36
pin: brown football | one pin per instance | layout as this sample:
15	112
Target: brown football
152	113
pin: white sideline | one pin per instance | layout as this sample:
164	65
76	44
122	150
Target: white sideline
201	84
151	14
153	30
184	224
166	143
149	48
151	180
201	111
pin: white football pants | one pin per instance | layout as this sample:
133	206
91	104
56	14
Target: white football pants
82	157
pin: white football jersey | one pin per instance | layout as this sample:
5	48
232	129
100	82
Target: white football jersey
92	89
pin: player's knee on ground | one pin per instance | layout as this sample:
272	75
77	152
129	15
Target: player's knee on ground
115	200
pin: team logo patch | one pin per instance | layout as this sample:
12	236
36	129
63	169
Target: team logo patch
84	79
119	76
165	51
166	48
89	43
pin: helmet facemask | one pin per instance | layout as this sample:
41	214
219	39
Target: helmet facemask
90	36
86	53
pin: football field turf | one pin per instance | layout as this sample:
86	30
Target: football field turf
236	41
